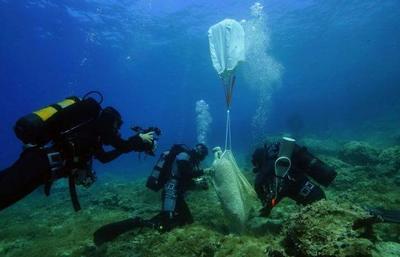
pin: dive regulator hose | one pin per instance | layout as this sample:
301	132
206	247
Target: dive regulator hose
94	92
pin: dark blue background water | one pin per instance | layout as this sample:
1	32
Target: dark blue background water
151	61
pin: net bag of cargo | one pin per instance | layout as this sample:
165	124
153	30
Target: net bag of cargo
235	193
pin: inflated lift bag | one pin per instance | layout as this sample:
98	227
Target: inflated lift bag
227	49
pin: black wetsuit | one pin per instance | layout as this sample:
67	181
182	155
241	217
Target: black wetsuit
74	150
175	211
296	184
178	170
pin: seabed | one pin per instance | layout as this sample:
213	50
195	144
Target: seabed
367	176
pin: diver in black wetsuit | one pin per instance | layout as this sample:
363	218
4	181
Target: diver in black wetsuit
284	169
176	171
61	140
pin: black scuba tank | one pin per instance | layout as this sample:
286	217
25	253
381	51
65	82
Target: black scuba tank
314	167
154	181
161	170
48	123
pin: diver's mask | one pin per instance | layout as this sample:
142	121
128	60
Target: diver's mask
201	151
109	123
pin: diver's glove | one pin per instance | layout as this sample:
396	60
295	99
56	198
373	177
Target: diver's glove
201	183
149	142
209	171
265	211
217	152
147	138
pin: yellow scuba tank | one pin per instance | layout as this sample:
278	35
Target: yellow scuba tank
44	125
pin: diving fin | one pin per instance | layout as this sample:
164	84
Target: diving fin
378	215
111	231
387	216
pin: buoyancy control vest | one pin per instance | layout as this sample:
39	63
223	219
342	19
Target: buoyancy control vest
161	170
47	124
303	161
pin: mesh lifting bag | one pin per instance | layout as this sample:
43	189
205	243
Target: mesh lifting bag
235	193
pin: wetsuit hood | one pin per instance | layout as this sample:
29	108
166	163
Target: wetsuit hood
257	158
201	151
108	124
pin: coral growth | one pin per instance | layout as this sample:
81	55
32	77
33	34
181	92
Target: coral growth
389	161
359	153
324	229
39	226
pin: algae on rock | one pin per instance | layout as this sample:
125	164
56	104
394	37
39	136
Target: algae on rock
324	229
359	153
389	161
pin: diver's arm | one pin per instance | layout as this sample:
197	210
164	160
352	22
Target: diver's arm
265	192
183	163
197	172
265	211
264	187
186	166
134	143
263	196
264	181
269	202
259	187
105	157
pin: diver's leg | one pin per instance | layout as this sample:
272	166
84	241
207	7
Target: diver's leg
25	175
169	197
184	215
165	219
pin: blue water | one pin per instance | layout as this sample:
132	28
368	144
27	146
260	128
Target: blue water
151	61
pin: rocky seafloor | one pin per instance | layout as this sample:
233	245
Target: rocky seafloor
367	176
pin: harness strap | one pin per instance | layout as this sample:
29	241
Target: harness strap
47	187
56	164
72	192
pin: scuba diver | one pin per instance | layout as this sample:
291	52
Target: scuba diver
284	169
177	171
61	140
